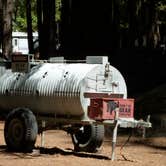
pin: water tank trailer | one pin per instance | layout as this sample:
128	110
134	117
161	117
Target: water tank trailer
79	98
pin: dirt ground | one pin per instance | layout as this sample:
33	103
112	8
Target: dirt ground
58	150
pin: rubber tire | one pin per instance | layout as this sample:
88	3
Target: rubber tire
89	139
20	130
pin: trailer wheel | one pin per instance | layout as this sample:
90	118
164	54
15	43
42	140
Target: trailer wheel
89	138
20	130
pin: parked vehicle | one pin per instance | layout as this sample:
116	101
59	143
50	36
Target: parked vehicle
20	42
79	98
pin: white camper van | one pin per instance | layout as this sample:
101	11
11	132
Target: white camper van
20	42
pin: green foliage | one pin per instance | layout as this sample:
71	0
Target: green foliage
19	17
162	6
19	24
58	8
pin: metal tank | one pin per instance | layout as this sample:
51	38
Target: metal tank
58	88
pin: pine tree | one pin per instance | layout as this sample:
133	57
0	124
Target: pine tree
8	6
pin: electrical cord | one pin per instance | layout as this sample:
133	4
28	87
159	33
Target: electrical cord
125	143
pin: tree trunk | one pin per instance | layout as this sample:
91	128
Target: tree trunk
85	28
49	24
1	23
39	24
116	24
132	23
153	34
47	28
7	28
29	26
65	28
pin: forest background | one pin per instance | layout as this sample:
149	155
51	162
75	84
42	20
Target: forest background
132	33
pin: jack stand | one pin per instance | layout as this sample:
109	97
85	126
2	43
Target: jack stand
42	134
114	137
144	128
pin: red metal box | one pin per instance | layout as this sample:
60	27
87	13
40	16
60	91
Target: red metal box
104	108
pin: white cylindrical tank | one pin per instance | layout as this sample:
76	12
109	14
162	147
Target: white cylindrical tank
58	89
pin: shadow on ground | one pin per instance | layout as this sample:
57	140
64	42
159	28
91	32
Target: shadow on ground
56	150
38	151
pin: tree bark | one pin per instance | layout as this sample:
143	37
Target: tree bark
29	26
132	23
153	34
46	28
39	24
85	28
1	23
116	24
7	28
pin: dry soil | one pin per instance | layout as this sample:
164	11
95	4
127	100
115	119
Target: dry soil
58	151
